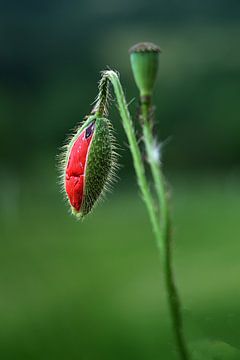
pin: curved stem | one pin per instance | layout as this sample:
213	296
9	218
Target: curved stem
162	233
166	254
136	154
101	107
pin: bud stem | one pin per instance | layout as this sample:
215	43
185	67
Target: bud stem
136	154
102	101
162	233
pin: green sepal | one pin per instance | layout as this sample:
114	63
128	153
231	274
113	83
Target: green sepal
100	165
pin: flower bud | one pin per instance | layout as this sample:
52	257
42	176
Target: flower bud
88	165
144	59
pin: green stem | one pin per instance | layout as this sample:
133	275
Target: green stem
154	160
136	154
165	254
162	233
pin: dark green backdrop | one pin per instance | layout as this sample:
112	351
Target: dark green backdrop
93	290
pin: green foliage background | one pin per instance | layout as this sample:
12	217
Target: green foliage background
93	290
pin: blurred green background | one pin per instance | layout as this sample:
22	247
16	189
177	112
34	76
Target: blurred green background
93	290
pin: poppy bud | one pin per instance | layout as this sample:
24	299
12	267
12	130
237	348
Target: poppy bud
89	163
144	59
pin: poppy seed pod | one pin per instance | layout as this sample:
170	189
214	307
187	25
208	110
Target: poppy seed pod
144	59
89	162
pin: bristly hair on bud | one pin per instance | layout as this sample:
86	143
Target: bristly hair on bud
101	103
88	163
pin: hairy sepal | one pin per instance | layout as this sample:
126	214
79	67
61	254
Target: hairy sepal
100	164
